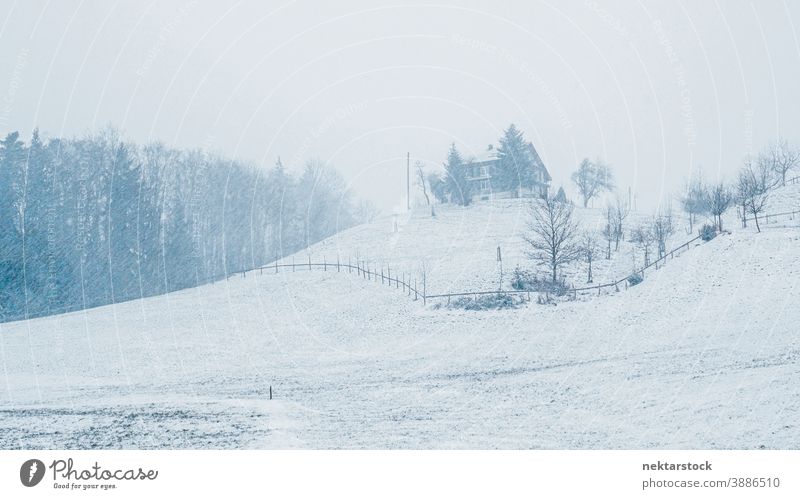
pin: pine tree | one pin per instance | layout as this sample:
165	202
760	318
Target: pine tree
458	188
514	169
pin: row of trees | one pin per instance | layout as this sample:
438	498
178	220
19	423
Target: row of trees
96	220
555	238
750	192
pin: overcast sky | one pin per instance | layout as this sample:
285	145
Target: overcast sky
655	88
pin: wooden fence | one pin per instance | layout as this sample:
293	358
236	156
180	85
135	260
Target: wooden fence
769	218
411	286
361	268
613	284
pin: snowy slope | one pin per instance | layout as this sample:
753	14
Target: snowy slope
458	248
705	353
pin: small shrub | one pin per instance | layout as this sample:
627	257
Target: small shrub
525	280
635	279
521	278
486	302
708	232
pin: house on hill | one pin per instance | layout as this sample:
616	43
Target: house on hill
533	180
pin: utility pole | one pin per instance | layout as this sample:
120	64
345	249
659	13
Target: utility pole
408	181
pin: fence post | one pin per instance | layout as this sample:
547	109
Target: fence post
309	262
338	268
389	274
324	264
424	291
293	269
404	282
382	275
415	290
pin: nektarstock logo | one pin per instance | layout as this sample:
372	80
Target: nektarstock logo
31	472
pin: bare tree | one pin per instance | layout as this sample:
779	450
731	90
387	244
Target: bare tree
694	199
552	234
609	229
719	199
642	236
755	182
782	159
661	229
592	178
423	186
621	210
588	248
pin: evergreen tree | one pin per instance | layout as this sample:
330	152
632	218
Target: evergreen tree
457	186
561	196
515	166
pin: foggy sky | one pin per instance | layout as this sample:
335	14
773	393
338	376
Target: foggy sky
657	89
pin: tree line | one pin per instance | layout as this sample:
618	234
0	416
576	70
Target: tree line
555	238
97	220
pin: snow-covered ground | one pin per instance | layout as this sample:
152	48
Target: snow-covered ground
458	248
705	353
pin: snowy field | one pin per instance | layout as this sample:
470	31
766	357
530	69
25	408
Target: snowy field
705	353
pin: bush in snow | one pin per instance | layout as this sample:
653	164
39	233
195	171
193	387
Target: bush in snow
525	280
708	232
635	279
486	302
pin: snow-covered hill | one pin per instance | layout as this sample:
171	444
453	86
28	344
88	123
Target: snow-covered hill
705	353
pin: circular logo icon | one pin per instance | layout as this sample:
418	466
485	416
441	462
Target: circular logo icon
31	472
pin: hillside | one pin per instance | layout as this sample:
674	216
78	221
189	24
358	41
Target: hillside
704	353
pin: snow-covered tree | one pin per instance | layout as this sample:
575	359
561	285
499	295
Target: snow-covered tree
515	166
592	178
561	196
661	229
552	234
694	199
459	189
755	182
782	158
719	199
642	236
588	248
